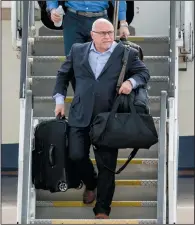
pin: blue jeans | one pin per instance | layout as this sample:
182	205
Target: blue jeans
76	29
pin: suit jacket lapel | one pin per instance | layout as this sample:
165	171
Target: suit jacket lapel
113	58
85	61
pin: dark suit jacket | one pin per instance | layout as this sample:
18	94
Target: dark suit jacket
94	96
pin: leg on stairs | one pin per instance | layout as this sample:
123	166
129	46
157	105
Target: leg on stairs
79	145
106	181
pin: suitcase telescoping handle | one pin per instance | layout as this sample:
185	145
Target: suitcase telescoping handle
51	155
59	117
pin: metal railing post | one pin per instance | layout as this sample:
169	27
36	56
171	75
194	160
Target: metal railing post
24	159
171	160
115	17
175	42
161	193
172	48
24	48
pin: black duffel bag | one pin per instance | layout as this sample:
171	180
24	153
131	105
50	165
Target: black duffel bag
126	126
123	129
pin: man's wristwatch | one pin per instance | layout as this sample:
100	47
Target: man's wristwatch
124	24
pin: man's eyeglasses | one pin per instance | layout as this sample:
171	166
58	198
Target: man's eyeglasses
103	33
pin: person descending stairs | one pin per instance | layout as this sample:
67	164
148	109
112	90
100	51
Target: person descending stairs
140	191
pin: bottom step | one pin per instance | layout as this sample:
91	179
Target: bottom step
132	212
95	221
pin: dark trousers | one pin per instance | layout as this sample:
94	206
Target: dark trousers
79	145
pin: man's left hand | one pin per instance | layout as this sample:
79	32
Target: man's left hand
126	87
124	32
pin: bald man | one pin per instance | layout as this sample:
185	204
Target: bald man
96	66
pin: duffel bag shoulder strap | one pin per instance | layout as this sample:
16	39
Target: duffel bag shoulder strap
130	157
123	70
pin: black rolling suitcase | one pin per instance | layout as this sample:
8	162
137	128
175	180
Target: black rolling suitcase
51	168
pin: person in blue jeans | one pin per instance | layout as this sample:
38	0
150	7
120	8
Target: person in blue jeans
79	17
78	20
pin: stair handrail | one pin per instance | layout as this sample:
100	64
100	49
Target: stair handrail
162	161
172	163
15	24
115	17
17	21
24	48
175	43
172	35
25	95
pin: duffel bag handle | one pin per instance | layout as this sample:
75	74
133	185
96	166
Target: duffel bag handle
114	111
119	101
133	45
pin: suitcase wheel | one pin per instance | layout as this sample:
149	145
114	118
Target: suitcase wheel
62	186
80	186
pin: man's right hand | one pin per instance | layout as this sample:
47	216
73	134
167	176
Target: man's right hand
59	110
55	17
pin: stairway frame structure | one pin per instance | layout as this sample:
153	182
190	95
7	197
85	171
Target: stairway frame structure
168	143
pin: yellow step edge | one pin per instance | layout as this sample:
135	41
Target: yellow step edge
128	182
68	99
134	38
95	221
81	204
133	161
62	58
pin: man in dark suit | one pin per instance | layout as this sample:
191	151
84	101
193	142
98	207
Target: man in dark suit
96	66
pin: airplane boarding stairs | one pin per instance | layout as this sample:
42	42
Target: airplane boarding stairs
146	189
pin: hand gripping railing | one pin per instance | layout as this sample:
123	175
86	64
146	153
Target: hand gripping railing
24	159
162	161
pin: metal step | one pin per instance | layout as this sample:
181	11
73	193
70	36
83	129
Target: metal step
81	204
134	161
48	66
155	85
63	58
44	106
86	212
152	79
146	170
143	156
158	45
70	98
94	221
125	190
